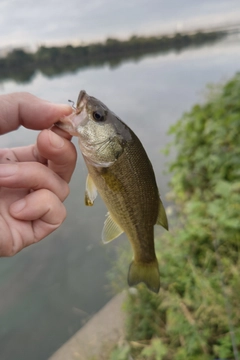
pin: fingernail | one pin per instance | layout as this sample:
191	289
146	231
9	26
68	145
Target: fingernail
8	170
18	205
55	140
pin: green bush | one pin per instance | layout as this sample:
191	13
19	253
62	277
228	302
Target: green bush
196	315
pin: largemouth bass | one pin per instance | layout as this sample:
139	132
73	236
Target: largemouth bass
120	170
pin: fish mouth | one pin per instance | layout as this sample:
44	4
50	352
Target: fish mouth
82	100
81	96
66	124
69	123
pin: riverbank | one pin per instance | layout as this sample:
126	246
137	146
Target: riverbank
97	338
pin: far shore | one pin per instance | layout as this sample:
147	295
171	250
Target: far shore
20	65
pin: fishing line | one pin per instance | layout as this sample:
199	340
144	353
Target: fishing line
228	305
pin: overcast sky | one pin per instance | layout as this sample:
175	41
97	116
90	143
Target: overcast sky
30	22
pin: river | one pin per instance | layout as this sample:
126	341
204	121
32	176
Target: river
49	290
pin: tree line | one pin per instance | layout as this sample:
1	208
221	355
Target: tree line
21	65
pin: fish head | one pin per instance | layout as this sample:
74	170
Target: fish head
102	135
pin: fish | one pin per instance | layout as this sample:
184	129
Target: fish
121	172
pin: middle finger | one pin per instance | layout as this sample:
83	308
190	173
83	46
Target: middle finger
33	175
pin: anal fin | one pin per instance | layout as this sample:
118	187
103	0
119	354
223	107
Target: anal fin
111	230
162	217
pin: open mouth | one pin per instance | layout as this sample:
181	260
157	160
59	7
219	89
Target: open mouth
80	98
71	122
65	124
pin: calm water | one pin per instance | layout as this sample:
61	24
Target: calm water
48	290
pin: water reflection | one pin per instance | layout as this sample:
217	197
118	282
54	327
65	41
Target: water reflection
21	65
49	289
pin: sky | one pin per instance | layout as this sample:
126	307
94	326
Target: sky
46	22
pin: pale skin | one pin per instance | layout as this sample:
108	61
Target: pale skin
33	179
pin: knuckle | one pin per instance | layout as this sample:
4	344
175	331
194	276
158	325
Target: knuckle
8	250
67	154
13	251
66	190
72	151
59	214
64	213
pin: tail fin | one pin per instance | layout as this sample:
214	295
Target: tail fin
148	273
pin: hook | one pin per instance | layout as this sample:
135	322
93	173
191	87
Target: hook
73	104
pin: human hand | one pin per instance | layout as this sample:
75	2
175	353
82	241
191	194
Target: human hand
33	179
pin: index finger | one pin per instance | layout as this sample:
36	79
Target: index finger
25	109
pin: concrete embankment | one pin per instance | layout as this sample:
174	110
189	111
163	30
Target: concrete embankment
98	336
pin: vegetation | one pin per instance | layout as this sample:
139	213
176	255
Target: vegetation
196	315
21	65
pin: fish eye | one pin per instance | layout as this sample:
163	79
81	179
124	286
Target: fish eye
98	116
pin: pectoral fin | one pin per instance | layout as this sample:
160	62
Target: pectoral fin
162	217
91	191
111	230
